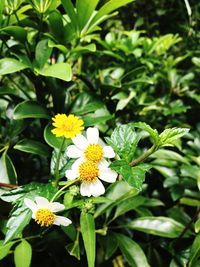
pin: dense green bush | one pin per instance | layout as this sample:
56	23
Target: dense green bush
134	75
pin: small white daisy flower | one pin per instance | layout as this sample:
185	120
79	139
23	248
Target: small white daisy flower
90	174
43	212
90	147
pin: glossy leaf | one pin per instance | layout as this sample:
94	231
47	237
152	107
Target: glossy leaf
89	238
23	254
132	251
7	170
33	147
11	65
160	226
18	220
194	252
51	139
30	109
42	53
17	32
117	193
59	70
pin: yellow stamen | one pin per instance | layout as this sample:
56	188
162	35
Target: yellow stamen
94	152
88	171
44	217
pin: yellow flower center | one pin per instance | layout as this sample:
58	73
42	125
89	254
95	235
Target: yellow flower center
45	217
67	126
94	152
88	171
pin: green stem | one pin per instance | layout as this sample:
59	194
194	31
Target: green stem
143	157
58	162
62	189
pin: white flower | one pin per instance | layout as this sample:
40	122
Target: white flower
89	173
43	211
90	147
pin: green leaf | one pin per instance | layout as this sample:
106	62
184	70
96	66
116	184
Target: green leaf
20	217
87	225
94	120
129	204
132	251
51	139
152	132
69	9
194	252
109	244
124	141
60	70
109	7
30	109
42	53
33	147
159	226
117	193
17	32
197	226
134	176
11	65
7	170
56	22
190	201
168	136
84	11
89	107
4	249
23	254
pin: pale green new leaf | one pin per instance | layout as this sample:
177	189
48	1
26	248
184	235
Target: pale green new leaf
59	70
5	248
152	132
23	254
168	136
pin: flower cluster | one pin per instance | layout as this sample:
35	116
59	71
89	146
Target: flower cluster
90	165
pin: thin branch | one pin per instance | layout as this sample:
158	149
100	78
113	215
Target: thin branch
8	185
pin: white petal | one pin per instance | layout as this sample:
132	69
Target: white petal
97	188
74	152
92	135
80	141
108	152
30	204
76	164
60	220
107	175
85	189
42	202
56	206
103	164
71	174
